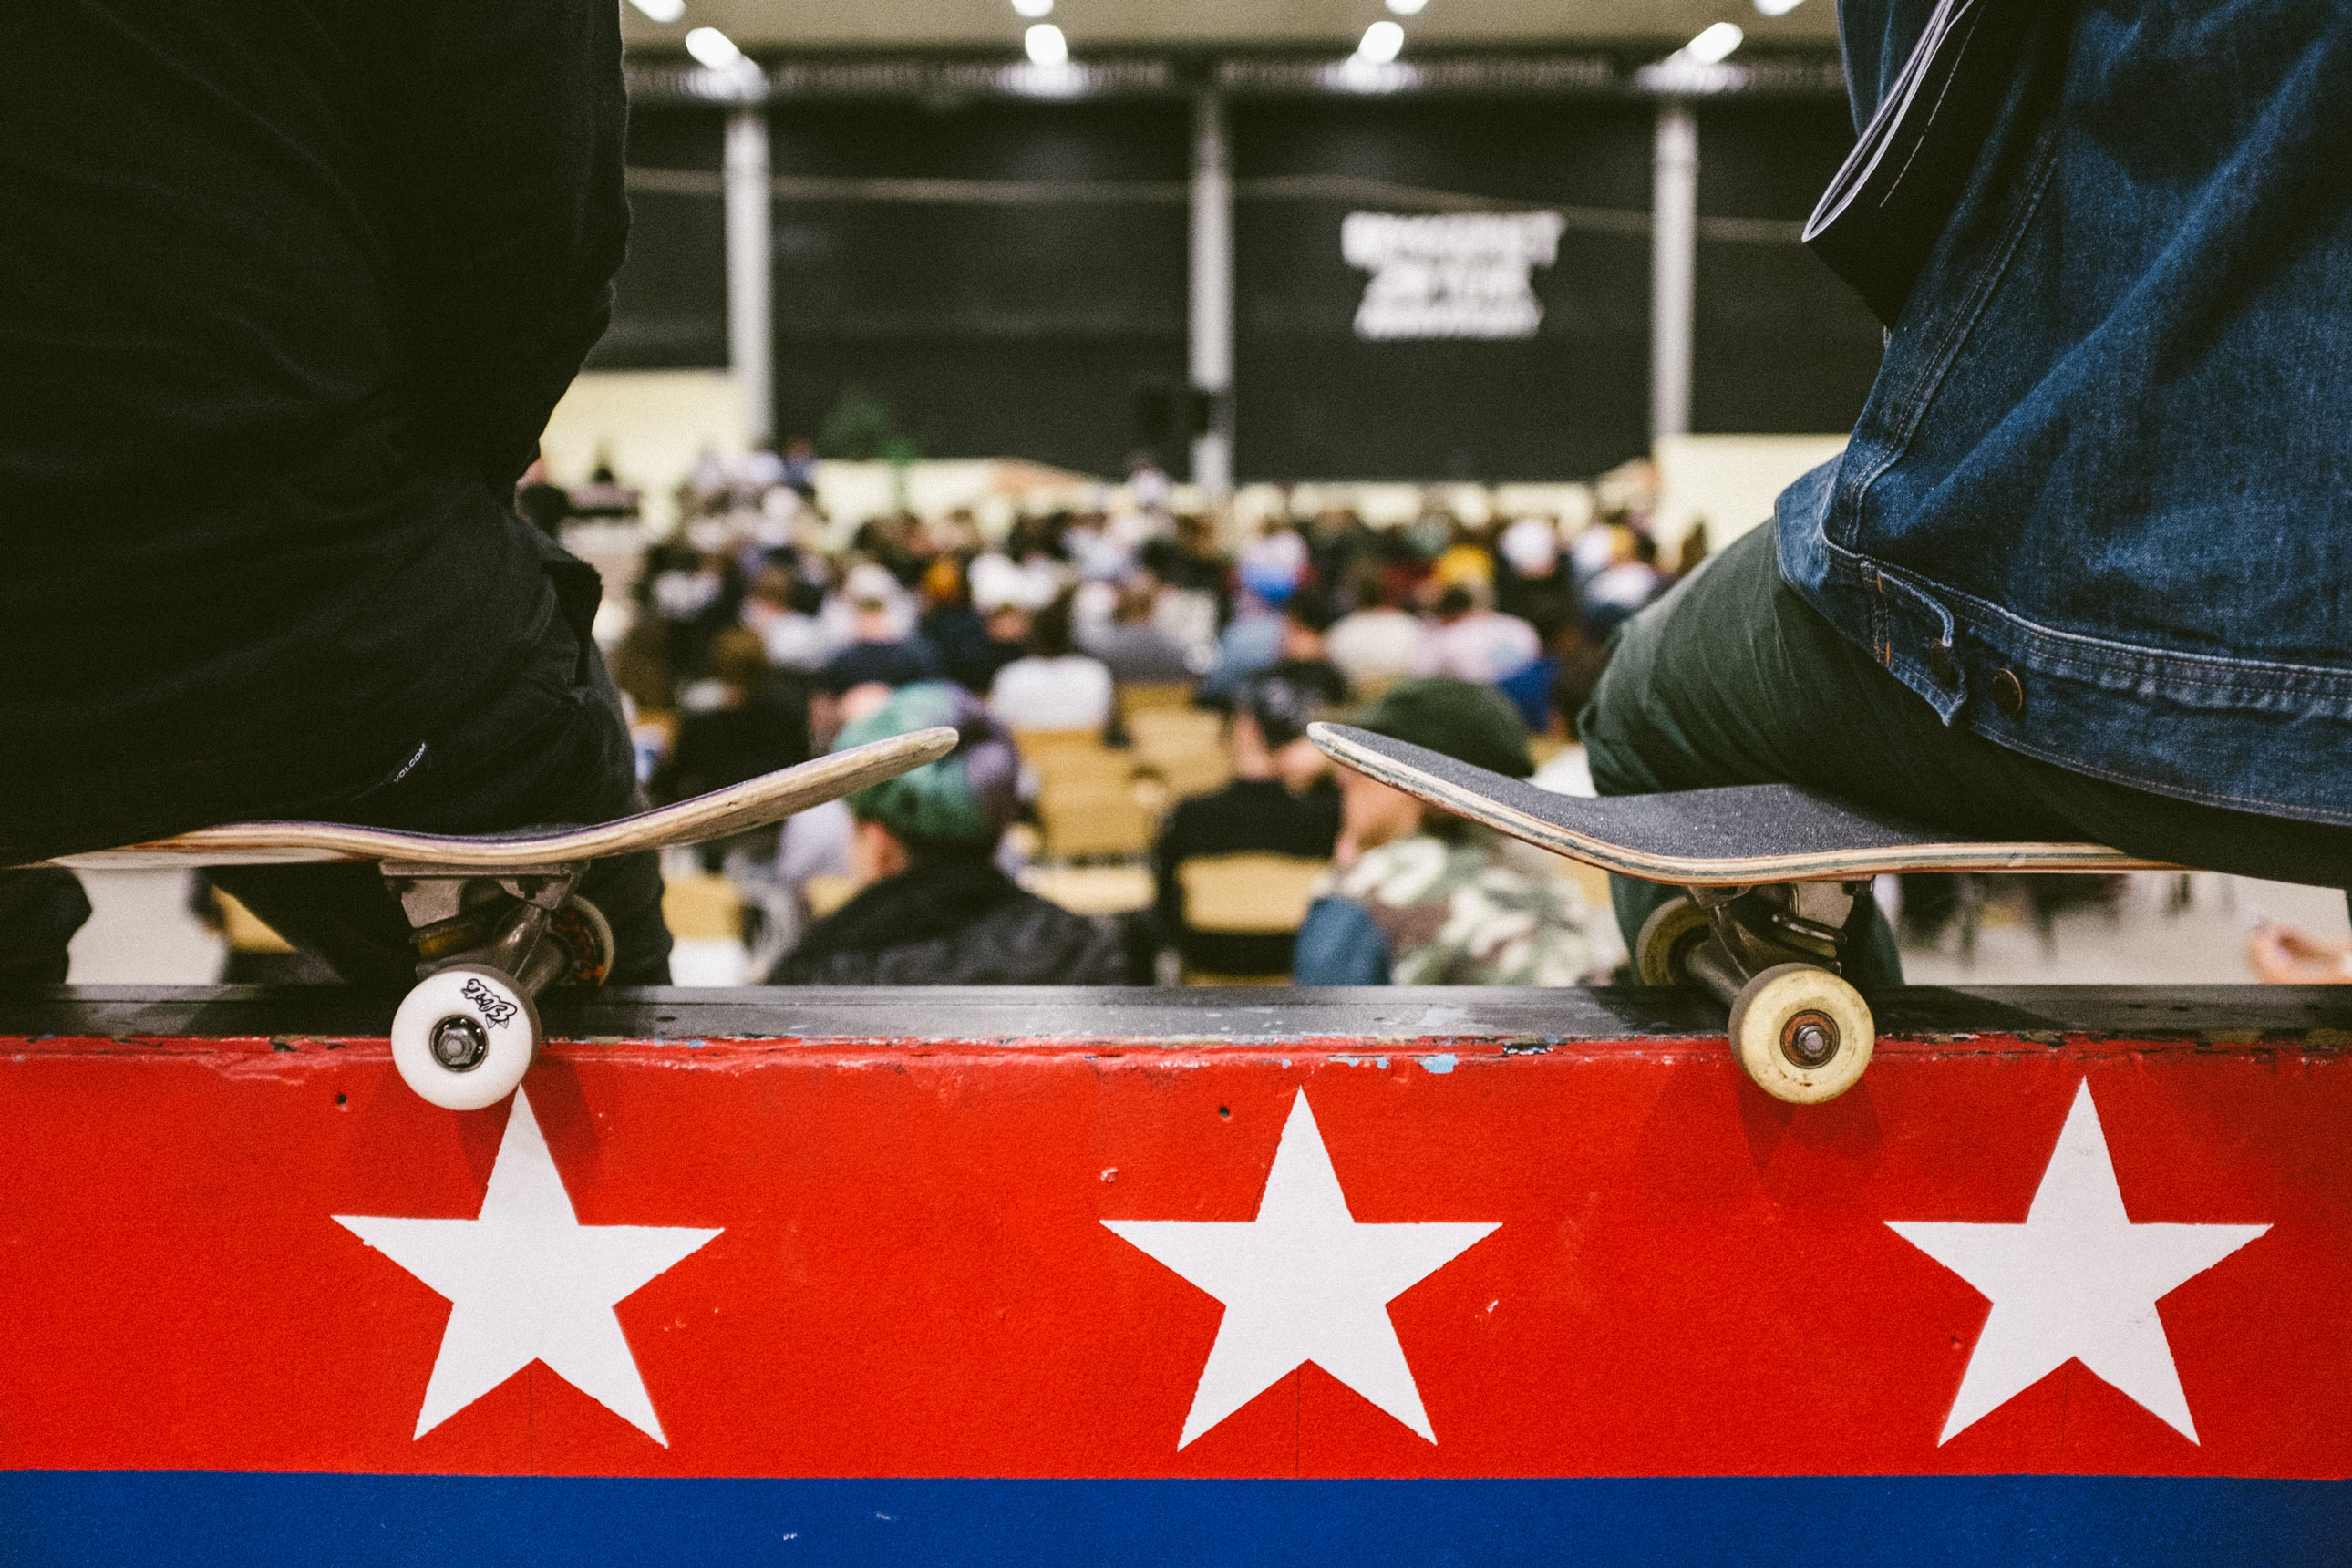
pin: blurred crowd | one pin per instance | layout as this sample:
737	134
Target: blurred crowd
1133	686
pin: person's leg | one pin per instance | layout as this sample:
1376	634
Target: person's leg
1733	679
552	752
41	906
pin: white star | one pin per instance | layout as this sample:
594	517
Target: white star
2078	1281
527	1281
1302	1282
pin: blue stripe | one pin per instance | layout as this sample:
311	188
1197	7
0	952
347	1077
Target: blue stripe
257	1521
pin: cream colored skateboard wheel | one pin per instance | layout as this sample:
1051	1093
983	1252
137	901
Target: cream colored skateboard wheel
464	1038
1801	1033
1670	925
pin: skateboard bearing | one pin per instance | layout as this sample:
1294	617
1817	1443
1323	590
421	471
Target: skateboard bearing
1810	1039
458	1043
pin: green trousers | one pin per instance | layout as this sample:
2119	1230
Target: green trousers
1733	679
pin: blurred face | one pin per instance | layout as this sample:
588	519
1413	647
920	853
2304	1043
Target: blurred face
1247	743
1299	765
876	853
1371	815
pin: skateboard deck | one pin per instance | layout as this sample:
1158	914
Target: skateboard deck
1737	836
735	809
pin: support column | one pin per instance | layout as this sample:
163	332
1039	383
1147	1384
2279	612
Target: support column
751	342
1212	294
1674	256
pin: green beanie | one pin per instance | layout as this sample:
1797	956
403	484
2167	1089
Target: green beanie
962	802
1473	724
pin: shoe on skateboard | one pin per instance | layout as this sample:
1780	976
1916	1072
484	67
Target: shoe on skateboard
1772	875
497	918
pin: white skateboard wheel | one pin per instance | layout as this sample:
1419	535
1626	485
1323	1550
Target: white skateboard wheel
464	1036
1677	921
1802	1033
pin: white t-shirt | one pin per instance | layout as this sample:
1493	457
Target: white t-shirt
1373	645
1483	645
1073	692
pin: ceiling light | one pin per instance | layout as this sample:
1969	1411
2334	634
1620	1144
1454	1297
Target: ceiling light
1715	43
1046	45
1383	41
1033	9
1413	7
1776	7
671	10
713	48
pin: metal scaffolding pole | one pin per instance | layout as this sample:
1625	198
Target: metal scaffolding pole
1673	255
1212	294
750	344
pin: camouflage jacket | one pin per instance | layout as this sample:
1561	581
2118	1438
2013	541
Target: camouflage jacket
1473	909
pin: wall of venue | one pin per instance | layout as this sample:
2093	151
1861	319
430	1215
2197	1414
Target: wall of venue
1010	277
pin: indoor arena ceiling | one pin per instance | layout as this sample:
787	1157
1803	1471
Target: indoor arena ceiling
931	24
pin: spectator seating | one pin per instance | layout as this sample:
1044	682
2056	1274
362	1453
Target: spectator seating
701	907
1184	746
1153	696
1248	893
827	891
1093	812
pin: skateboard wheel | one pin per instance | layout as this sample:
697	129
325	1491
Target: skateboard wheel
464	1036
586	937
1802	1033
1673	923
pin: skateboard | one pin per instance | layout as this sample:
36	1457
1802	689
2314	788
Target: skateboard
1770	873
498	918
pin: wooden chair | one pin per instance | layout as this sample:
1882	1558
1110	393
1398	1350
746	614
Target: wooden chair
1096	763
702	907
1055	756
1092	816
1248	892
1154	697
1094	889
1040	748
1186	747
245	930
827	891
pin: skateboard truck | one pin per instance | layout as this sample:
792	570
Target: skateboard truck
487	944
1773	877
1772	954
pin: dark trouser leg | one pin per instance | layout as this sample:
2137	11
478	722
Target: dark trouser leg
40	908
552	751
1733	679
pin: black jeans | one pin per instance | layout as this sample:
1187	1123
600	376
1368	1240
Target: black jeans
550	749
1733	679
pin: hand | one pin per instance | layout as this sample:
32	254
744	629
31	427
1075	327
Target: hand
2283	955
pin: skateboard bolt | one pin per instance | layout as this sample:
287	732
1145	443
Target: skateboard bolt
1810	1040
458	1043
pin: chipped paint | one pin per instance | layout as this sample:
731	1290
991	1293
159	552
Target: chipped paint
1443	1063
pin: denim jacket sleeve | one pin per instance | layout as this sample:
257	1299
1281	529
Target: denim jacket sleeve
2098	506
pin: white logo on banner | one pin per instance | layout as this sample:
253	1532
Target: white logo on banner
1452	275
